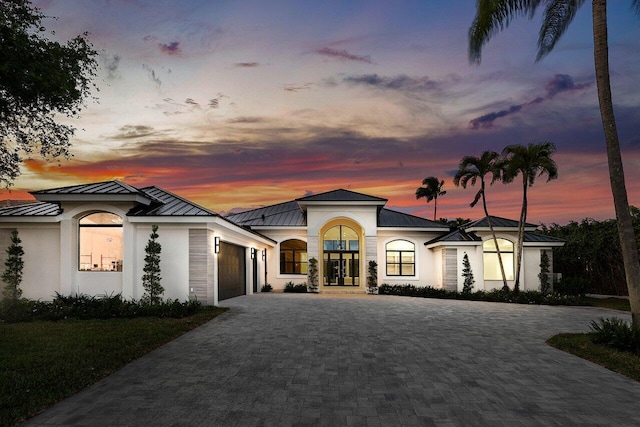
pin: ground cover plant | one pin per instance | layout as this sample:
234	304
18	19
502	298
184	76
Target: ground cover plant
43	362
300	288
497	295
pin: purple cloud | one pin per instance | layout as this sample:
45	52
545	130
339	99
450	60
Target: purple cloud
343	55
172	48
399	82
558	84
246	64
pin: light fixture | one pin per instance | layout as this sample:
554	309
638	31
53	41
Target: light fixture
253	253
264	254
216	244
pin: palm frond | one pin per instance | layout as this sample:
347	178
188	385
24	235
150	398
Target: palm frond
558	15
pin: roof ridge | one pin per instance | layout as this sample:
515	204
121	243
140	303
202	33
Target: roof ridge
180	198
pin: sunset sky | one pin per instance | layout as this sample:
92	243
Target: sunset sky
240	104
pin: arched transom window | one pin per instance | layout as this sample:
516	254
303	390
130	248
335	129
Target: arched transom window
293	257
100	242
491	262
401	258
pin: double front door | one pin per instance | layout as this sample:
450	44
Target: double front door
341	268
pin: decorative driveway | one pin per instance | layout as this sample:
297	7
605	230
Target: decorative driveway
296	359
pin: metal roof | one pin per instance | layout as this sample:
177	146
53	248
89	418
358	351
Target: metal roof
458	235
168	204
32	209
389	218
107	187
541	238
287	214
497	222
341	195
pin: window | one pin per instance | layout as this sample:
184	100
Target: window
491	262
341	238
293	257
401	258
100	242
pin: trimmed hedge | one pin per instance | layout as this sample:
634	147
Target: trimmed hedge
87	307
497	295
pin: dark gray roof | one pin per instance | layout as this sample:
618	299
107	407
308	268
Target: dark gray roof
32	209
341	195
389	218
458	235
496	221
286	214
107	187
541	238
168	204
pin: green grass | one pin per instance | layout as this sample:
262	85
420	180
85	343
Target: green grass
581	345
613	303
43	362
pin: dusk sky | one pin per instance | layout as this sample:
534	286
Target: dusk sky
240	104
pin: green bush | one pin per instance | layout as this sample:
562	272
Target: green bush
572	286
85	307
300	288
496	295
616	333
266	288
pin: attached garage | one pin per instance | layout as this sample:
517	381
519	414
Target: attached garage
231	271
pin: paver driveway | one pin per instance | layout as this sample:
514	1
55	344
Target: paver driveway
287	359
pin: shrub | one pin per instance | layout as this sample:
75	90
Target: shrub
545	264
12	275
572	286
313	275
266	288
153	290
300	288
616	333
467	273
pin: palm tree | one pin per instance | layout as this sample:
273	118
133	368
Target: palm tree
530	161
495	15
431	190
473	168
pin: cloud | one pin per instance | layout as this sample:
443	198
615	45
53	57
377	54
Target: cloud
343	55
192	102
297	88
111	64
400	82
246	64
152	75
133	131
559	83
172	48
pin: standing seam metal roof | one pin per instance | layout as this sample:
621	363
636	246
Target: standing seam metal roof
107	187
341	195
32	209
170	205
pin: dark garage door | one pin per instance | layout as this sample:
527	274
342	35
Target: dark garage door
231	271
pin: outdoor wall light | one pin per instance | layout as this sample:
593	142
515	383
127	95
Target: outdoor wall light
253	253
216	244
264	254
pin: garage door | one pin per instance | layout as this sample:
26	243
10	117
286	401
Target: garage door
231	271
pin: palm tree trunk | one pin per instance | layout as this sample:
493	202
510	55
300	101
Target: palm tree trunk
523	220
616	172
505	286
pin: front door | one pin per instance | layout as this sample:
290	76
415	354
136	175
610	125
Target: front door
342	268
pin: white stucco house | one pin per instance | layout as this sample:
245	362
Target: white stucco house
91	238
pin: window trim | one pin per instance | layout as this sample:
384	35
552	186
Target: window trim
400	264
293	263
118	266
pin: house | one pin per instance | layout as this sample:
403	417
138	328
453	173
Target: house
91	238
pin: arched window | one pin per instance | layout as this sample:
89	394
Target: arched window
100	242
340	238
491	262
401	258
293	257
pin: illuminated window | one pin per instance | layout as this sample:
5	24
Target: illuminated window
491	262
293	257
100	242
401	258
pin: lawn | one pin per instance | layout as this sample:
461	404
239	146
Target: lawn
581	345
612	303
43	362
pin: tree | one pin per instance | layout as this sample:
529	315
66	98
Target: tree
153	290
39	79
12	275
492	16
545	264
431	190
467	273
530	161
473	168
372	277
313	275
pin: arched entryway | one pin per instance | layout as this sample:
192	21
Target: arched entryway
341	245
